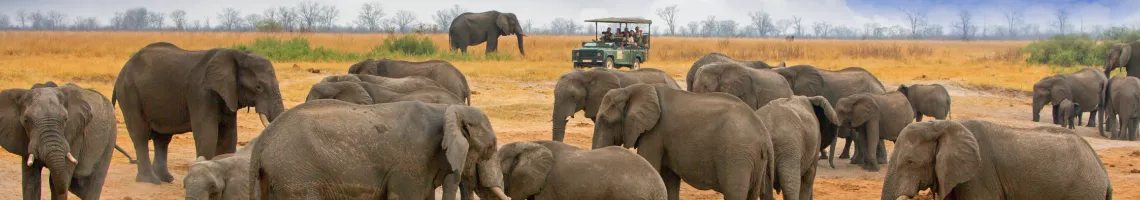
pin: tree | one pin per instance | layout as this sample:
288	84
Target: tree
965	25
251	21
443	17
156	20
4	23
22	17
669	14
782	26
726	28
287	17
327	16
563	26
370	16
179	19
762	22
797	25
916	19
403	19
309	13
709	26
693	28
229	19
528	26
1014	19
821	28
1061	22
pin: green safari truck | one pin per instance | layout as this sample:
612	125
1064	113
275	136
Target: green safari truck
616	48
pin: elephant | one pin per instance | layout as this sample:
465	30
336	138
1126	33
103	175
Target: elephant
793	124
555	170
405	84
972	159
1122	105
927	99
470	29
1082	87
368	93
1067	111
582	90
434	144
224	177
1118	57
68	129
755	87
875	117
442	72
807	80
717	57
683	141
164	90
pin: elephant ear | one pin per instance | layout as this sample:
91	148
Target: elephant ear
821	106
1060	90
503	22
905	90
807	81
957	157
454	143
358	68
1125	55
866	107
599	83
14	139
221	75
531	165
644	109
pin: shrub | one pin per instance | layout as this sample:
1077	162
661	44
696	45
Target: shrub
408	45
295	49
1066	50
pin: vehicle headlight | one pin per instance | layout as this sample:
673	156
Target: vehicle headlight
599	54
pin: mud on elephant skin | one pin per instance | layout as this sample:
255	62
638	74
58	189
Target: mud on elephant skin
755	87
67	129
970	159
442	72
927	99
874	117
793	124
470	29
717	57
582	90
1082	87
662	123
436	144
555	170
1121	109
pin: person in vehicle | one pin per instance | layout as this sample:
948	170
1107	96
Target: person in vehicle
608	35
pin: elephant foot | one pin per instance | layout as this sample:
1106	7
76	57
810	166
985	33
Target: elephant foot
844	156
1091	125
871	168
147	178
163	174
882	160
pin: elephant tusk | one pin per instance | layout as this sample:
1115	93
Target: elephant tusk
499	192
72	158
264	121
568	118
31	159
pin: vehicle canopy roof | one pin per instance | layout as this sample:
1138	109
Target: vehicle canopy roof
621	20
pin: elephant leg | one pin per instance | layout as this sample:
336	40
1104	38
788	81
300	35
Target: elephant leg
161	150
881	153
1092	119
788	170
140	134
227	136
92	185
734	180
31	182
871	144
492	43
846	141
807	183
672	183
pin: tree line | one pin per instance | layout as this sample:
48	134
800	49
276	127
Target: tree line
312	16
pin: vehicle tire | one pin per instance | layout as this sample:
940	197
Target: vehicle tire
609	63
636	64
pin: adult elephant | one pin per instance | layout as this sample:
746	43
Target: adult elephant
1082	87
755	87
682	140
1120	56
556	170
876	117
164	90
349	149
68	129
972	159
405	84
442	72
582	90
470	29
1121	109
369	93
927	99
793	125
717	57
807	80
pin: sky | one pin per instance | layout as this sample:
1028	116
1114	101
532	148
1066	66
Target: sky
853	13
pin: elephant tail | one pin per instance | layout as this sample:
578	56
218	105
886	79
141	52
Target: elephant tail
120	149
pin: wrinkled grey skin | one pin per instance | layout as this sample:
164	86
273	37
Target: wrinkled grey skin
1068	113
793	124
368	93
49	126
226	177
1121	108
1082	87
350	149
716	57
1122	56
875	117
442	72
807	80
555	170
971	159
683	141
405	84
582	90
927	99
470	29
755	87
164	90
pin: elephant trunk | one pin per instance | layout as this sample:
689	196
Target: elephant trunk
490	180
890	187
1038	103
54	152
520	37
563	111
270	107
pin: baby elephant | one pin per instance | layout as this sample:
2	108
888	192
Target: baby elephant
1067	111
930	100
224	177
555	170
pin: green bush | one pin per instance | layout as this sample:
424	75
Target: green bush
1067	51
410	45
407	47
295	49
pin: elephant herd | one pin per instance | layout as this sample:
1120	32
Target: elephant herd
399	130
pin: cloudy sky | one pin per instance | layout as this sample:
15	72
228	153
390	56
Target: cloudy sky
852	13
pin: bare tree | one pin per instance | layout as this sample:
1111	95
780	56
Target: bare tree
1014	18
22	17
328	16
694	27
965	25
86	23
917	20
179	19
4	23
762	22
287	17
443	17
528	26
669	14
726	28
251	21
782	26
47	21
821	28
403	19
797	25
309	13
207	23
563	26
1061	22
229	19
709	26
156	20
370	16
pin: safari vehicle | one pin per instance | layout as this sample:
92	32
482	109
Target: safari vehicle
615	51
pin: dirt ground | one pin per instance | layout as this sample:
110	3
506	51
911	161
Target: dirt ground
520	111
